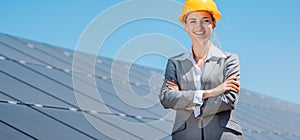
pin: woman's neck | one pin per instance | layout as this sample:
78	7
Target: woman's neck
200	50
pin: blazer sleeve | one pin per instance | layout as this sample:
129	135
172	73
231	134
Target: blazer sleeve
171	98
227	100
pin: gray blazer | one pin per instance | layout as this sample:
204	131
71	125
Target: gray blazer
217	120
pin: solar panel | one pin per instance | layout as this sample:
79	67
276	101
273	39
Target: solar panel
37	99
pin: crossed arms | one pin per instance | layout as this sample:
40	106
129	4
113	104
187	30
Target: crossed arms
221	98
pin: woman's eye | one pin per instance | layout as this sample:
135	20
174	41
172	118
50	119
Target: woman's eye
206	21
193	21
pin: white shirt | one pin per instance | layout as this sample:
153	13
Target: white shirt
197	74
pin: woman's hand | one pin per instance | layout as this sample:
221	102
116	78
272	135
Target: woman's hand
230	84
172	85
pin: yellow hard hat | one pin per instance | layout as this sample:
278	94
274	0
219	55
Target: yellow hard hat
197	5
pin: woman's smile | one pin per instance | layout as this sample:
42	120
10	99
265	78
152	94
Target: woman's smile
200	33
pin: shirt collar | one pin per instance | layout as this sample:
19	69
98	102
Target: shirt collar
213	53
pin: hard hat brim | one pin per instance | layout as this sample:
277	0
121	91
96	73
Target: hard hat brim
215	14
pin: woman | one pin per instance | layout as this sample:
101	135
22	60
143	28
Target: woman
202	85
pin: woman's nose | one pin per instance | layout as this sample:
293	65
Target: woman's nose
199	26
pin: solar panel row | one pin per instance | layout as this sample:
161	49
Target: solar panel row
38	98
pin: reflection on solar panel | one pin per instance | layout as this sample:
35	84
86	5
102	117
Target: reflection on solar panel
37	99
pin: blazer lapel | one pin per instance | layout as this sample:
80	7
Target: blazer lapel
188	73
213	57
207	73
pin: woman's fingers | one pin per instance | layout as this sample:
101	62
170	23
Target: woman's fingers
235	88
233	82
172	85
172	88
232	87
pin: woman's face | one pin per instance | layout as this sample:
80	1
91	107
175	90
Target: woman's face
199	25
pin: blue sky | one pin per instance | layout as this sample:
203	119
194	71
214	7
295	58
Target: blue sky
263	33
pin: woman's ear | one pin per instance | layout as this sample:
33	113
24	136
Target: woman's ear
185	28
214	25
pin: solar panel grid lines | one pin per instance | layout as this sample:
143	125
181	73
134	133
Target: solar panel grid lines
17	101
36	88
18	56
44	53
39	57
278	115
44	74
267	108
68	71
140	117
118	110
78	110
251	97
16	129
256	121
135	77
52	78
87	114
285	123
48	66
